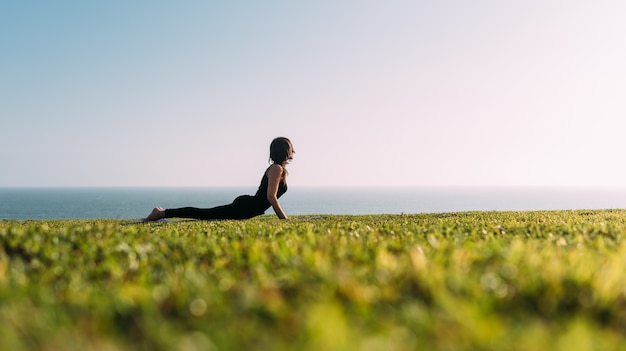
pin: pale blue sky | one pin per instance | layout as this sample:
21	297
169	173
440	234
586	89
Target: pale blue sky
372	93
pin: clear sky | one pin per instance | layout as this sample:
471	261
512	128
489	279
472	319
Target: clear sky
372	93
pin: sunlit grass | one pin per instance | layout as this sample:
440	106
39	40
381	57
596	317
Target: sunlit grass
466	281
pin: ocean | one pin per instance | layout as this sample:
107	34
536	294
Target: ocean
131	203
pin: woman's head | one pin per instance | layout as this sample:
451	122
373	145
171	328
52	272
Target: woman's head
281	150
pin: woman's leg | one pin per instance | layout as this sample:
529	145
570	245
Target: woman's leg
243	207
219	212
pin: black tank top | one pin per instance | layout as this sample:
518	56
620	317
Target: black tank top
261	193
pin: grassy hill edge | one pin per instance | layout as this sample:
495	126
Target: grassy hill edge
461	281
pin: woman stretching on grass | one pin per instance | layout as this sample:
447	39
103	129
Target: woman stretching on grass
273	185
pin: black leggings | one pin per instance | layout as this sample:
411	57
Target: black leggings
243	207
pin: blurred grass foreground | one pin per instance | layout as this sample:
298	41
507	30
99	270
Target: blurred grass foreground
458	281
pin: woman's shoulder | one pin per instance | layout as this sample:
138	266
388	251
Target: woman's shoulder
274	168
275	171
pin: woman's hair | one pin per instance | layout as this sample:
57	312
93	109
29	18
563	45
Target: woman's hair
281	151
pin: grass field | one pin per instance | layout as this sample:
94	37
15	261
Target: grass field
461	281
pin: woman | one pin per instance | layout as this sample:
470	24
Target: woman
273	186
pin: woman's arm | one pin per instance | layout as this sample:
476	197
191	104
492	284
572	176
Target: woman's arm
274	175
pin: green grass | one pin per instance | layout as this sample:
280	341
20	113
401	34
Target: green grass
465	281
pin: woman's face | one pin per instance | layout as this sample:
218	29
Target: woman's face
281	150
291	152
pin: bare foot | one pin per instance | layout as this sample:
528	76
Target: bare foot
156	214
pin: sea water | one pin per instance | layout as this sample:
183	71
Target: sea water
128	203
